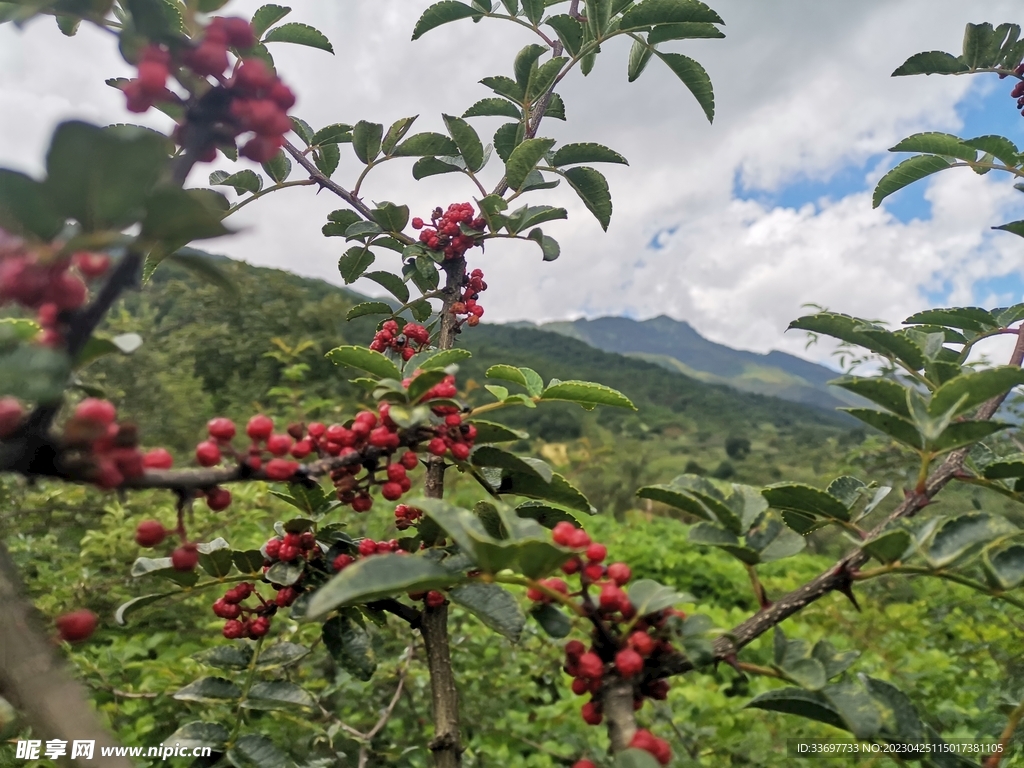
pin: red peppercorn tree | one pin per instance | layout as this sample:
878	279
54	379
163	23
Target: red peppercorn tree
113	207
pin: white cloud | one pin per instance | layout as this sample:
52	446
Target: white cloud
802	89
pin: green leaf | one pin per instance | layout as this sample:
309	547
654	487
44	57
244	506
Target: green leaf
365	360
534	10
931	63
121	615
559	490
242	181
543	77
505	86
552	620
806	500
209	689
285	574
278	167
569	31
586	394
960	537
300	34
674	497
506	373
102	177
233	657
427	143
253	751
25	209
907	172
1005	467
526	63
889	546
884	392
899	429
490	456
278	696
972	389
391	217
491	432
1014	228
493	107
523	160
534	383
179	216
442	13
570	154
999	147
864	334
366	140
470	147
650	12
493	605
506	138
380	576
281	655
640	55
354	262
217	563
648	596
335	133
349	645
267	16
964	433
544	514
687	30
362	230
396	133
200	734
432	166
694	77
592	188
440	359
935	143
813	705
1004	564
391	283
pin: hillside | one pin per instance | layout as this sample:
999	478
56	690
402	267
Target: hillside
676	346
208	352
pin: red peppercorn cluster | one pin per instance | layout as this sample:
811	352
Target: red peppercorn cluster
406	516
354	482
253	100
47	284
448	231
473	286
412	338
245	621
453	436
639	641
291	547
1018	89
108	450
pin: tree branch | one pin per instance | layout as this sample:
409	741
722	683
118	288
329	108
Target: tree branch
36	683
326	183
839	576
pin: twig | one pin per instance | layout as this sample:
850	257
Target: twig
326	183
386	714
993	760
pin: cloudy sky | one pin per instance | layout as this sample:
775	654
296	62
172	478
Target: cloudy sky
733	227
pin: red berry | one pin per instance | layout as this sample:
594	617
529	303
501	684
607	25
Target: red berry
562	532
593	571
395	472
152	77
207	453
226	610
619	573
280	469
221	428
286	597
253	74
571	566
149	533
391	491
611	597
574	649
218	499
316	430
185	557
579	539
591	712
409	460
287	553
460	451
273	549
91	265
233	629
11	413
591	666
259	627
437	447
658	690
628	662
642	643
583	764
597	552
209	58
367	547
158	458
279	445
259	427
362	503
238	32
77	625
302	449
580	686
97	411
417	223
343	560
435	599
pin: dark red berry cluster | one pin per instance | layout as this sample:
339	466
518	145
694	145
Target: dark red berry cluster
52	286
245	621
453	232
473	286
107	450
406	516
639	642
253	100
405	342
354	481
1018	89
